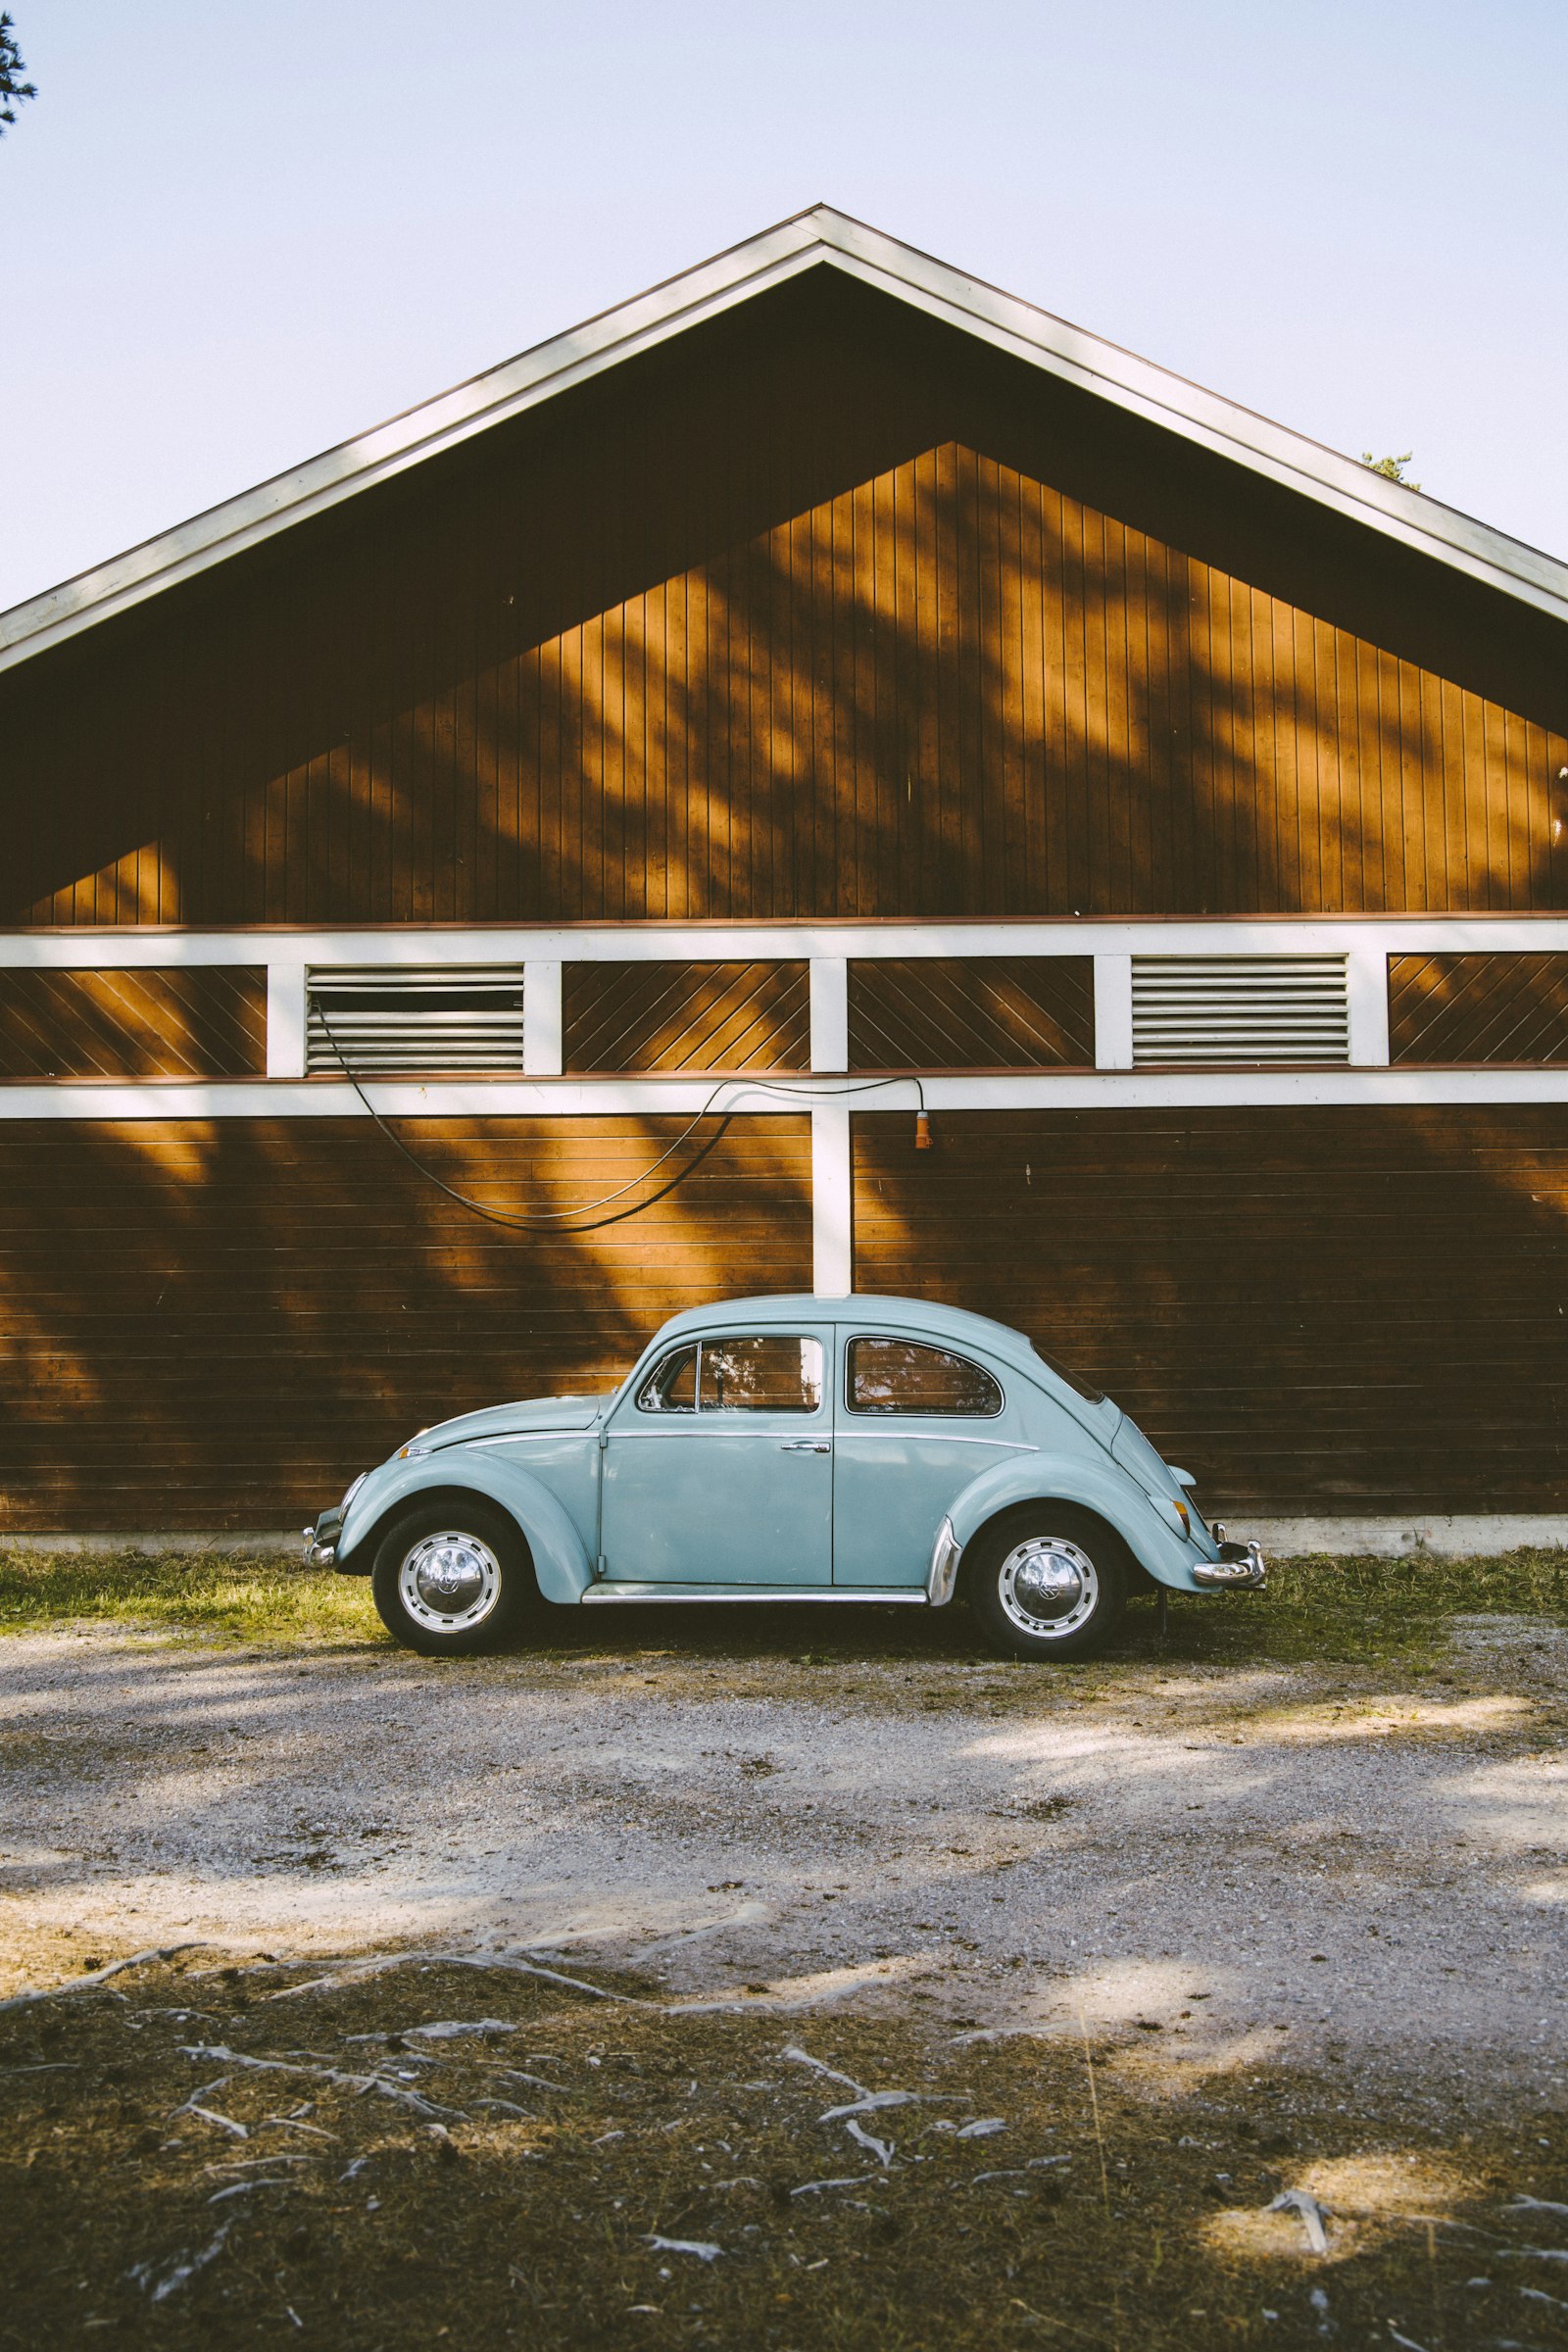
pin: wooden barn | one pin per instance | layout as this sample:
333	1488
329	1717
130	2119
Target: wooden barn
822	687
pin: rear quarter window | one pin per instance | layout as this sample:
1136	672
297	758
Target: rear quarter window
888	1375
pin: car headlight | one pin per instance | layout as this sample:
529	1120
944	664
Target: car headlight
354	1490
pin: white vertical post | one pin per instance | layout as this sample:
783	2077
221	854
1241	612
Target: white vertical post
1113	1012
830	1012
285	1020
541	1020
1367	991
832	1202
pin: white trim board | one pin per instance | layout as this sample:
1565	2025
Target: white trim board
1465	1536
1459	1536
820	237
639	1097
151	944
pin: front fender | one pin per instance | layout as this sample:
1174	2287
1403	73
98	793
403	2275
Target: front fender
560	1561
1068	1478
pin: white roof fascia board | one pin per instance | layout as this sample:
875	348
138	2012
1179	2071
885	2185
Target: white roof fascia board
813	238
402	442
1231	431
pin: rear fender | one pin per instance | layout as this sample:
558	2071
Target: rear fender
561	1563
1068	1478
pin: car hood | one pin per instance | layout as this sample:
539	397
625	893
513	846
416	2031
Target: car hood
529	1416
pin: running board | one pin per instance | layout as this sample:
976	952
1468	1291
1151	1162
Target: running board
603	1595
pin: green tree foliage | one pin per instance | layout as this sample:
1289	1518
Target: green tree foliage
1391	469
11	69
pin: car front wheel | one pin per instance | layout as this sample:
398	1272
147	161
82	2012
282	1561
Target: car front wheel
451	1578
1048	1584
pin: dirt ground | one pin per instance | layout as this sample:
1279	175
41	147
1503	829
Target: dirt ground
1212	1933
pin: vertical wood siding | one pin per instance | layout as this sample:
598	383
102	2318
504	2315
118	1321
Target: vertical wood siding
1315	1310
215	1325
205	1022
823	610
1468	1008
1002	1012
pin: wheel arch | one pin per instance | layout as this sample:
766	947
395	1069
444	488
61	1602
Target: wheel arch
556	1554
1153	1553
1027	1508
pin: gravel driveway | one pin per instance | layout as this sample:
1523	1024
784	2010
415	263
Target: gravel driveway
1268	1862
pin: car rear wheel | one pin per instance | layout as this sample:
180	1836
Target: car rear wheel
451	1578
1050	1583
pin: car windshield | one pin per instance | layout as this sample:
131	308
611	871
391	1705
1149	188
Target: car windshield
1075	1381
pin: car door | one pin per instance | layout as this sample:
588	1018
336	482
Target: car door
718	1468
916	1420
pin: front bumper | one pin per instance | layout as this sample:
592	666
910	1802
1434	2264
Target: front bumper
1239	1568
321	1540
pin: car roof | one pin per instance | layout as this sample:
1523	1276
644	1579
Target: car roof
865	1307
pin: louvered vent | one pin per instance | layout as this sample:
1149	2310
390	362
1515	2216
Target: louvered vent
435	1016
1239	1008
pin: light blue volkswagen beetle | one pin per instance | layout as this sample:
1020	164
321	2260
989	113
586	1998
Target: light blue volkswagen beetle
789	1449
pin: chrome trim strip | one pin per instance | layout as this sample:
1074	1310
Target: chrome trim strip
526	1437
694	1425
930	1437
610	1594
943	1573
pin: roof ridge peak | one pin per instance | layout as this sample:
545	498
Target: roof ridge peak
819	235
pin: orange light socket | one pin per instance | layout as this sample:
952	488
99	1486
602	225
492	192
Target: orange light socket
922	1132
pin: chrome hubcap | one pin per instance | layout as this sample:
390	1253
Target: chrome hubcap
1047	1587
450	1582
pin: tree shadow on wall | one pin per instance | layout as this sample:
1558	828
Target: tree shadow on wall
823	609
1328	1310
216	1324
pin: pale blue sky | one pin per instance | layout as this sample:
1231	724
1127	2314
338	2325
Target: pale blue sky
234	234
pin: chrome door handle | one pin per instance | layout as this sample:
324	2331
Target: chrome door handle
802	1445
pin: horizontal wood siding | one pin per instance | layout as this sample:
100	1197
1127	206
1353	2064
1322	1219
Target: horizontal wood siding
1323	1310
1469	1008
217	1324
204	1022
686	1016
824	610
1003	1013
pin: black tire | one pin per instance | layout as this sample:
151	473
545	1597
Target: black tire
484	1561
1012	1565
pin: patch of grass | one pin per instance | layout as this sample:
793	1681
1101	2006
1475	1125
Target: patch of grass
1378	1613
378	2187
210	1594
1368	1611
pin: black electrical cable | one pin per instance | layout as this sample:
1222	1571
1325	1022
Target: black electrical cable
548	1219
552	1220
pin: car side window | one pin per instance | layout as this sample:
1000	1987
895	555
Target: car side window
773	1372
671	1386
884	1375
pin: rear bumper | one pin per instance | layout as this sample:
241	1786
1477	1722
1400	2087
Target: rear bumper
1239	1568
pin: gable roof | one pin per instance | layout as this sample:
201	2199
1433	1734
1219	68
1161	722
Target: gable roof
819	237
